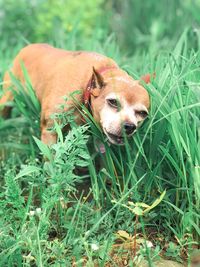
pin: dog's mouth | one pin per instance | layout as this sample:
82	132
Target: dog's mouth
114	139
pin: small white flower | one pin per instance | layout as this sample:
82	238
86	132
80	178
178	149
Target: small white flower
149	244
94	247
38	211
87	233
31	213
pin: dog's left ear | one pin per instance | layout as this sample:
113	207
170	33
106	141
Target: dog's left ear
97	82
147	77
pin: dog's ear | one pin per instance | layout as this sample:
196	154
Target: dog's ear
97	80
147	77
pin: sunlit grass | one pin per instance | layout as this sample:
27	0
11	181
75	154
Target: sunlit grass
43	218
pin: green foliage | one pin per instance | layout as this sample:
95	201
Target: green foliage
44	21
58	17
51	214
149	25
17	20
173	251
51	185
164	154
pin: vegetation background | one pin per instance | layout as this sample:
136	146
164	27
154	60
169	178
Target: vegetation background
43	220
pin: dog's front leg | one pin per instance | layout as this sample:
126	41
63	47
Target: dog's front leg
47	136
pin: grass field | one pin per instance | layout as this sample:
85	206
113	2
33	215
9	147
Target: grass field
150	207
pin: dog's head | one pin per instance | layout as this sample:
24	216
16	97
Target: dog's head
119	103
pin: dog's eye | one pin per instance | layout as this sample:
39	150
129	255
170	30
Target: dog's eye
142	113
113	103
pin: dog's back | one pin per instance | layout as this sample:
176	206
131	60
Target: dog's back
55	73
52	69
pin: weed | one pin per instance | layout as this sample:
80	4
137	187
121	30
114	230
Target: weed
45	221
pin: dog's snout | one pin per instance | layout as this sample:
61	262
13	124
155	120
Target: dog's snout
129	128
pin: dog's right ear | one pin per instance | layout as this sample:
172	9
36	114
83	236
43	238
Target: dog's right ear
97	80
97	83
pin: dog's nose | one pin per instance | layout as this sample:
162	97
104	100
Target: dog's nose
129	128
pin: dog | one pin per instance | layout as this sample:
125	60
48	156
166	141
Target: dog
118	103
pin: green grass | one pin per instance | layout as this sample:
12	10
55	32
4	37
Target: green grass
45	222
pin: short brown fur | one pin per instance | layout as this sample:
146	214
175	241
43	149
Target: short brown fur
55	73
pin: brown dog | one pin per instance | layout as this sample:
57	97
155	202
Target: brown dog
116	99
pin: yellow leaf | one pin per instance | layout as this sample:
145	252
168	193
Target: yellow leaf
123	234
155	203
141	204
131	203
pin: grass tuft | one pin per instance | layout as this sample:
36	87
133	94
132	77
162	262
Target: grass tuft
46	221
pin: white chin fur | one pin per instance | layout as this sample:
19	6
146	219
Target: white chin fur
111	140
